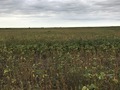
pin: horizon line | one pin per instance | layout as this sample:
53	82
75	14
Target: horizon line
59	27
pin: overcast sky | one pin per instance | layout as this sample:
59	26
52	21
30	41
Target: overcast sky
53	13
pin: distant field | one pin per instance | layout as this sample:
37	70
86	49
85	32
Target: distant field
62	34
60	58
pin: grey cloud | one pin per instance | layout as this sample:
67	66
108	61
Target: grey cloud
67	9
110	6
43	6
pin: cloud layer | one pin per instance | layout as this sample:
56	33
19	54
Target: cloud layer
74	10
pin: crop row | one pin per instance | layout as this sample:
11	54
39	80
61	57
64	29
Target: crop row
59	65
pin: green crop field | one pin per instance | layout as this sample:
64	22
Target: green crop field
60	58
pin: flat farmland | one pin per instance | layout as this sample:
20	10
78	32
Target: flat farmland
60	58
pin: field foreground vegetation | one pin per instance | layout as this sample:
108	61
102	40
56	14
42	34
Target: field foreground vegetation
60	59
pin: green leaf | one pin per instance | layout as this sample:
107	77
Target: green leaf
85	88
